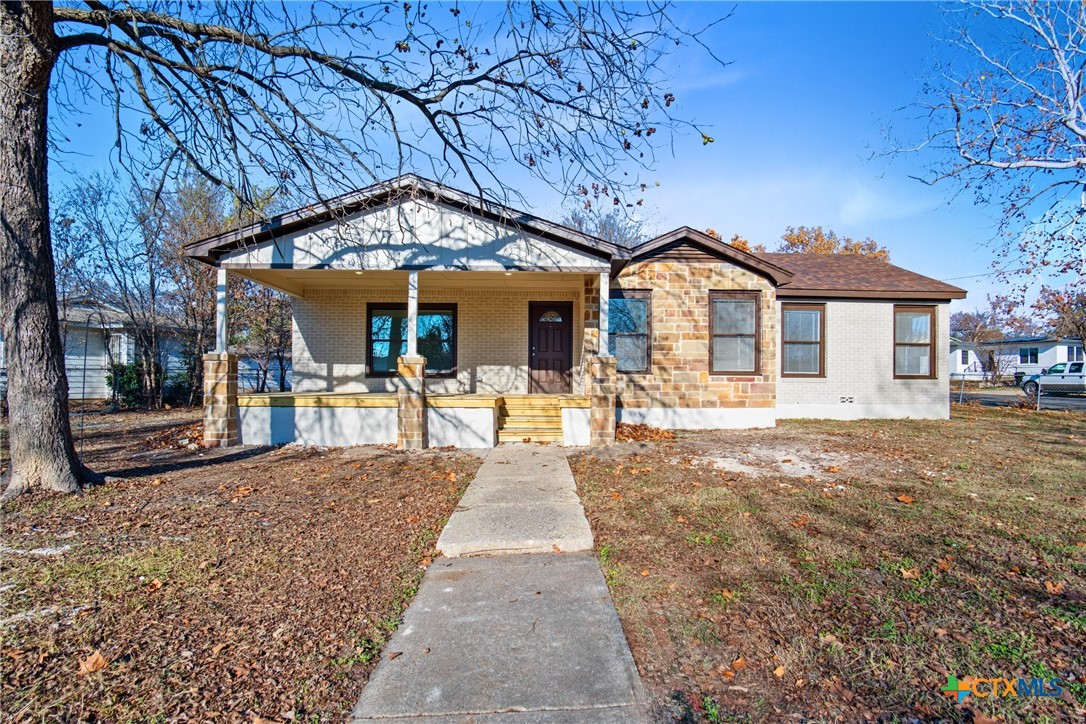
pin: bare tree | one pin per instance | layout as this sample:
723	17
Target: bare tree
263	330
310	99
613	225
195	209
124	232
1007	121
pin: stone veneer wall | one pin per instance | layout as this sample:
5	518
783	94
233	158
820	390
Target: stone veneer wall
680	376
329	346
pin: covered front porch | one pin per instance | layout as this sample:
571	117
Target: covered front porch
425	359
422	312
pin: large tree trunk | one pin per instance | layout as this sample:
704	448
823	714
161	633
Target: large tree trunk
42	453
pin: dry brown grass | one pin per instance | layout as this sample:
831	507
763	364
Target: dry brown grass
216	585
831	570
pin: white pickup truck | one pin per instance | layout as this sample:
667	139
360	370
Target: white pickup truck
1065	377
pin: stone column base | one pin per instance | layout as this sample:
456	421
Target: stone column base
411	398
220	400
603	386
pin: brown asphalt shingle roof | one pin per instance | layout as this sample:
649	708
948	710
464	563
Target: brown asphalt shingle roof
850	275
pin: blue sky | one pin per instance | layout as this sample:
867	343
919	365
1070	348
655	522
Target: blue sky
798	119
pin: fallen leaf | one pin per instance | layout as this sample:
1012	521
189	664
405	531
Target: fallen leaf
154	585
833	469
394	654
801	521
1055	588
829	639
910	573
739	664
645	572
778	672
218	647
907	499
94	662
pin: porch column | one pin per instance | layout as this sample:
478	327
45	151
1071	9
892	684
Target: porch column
411	403
222	338
605	299
603	386
221	378
413	314
220	400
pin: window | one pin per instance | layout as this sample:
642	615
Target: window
1075	369
914	342
965	357
387	338
733	330
629	317
1075	354
802	335
1027	356
551	317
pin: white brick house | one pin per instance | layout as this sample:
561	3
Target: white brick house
423	316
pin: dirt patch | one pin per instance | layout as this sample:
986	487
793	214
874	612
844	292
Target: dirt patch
214	584
849	582
782	458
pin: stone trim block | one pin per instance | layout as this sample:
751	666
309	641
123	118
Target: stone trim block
603	384
411	403
220	400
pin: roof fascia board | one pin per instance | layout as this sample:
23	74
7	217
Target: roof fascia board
777	274
211	248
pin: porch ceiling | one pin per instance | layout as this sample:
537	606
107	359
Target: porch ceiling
296	281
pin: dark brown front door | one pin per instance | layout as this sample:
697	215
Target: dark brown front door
550	347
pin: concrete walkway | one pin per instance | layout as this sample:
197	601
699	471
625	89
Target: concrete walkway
494	637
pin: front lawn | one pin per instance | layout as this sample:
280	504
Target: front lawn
842	570
213	585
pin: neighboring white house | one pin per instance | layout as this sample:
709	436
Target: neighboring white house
966	360
94	335
1013	355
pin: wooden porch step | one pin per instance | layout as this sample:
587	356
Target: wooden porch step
525	410
530	420
530	436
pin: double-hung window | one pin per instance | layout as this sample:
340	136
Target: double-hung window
387	338
733	333
1028	355
1075	354
803	337
914	342
629	324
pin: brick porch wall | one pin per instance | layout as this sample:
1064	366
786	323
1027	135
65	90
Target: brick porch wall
329	348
